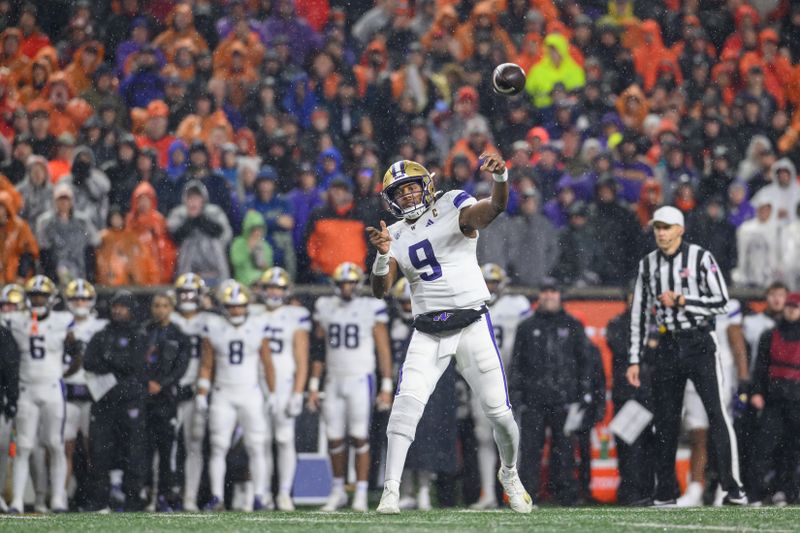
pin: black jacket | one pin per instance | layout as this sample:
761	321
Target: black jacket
786	387
618	337
551	363
167	357
119	349
9	369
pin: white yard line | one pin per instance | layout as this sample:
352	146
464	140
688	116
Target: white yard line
695	527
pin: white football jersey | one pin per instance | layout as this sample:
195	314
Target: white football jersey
237	350
506	314
439	261
350	344
753	327
194	328
84	330
280	326
732	318
41	345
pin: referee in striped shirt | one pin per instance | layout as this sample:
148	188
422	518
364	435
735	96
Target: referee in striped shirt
681	287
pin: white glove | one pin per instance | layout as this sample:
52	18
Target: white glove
201	402
295	405
271	404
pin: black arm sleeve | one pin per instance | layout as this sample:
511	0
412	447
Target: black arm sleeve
181	361
208	226
183	231
93	360
761	372
9	368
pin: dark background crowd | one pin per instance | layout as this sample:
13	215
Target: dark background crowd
143	139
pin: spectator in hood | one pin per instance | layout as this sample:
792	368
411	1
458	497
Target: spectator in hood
790	254
177	159
650	199
716	182
530	262
144	83
300	99
14	167
199	168
18	247
548	171
180	25
90	186
630	169
709	228
155	131
150	228
784	191
250	253
277	218
739	207
122	173
284	23
618	225
758	246
66	239
36	189
121	258
557	66
201	231
329	167
303	199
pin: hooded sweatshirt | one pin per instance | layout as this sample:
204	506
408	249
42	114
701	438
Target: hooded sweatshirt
784	199
17	244
91	187
202	240
545	74
150	227
248	264
36	198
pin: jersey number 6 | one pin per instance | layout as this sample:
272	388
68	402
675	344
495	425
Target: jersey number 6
424	260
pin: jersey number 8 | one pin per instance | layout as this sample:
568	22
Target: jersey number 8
347	335
236	352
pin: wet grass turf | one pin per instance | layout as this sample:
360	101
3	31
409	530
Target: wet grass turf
607	519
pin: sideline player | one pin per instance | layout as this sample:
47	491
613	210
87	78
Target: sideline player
434	246
191	320
233	346
507	311
43	336
12	300
81	298
288	328
354	327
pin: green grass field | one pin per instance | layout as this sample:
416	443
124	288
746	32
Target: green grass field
606	519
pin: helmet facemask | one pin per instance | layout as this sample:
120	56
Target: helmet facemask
417	209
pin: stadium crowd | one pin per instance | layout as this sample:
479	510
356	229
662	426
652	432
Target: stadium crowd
141	140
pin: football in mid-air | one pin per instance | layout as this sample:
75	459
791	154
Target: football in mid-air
508	79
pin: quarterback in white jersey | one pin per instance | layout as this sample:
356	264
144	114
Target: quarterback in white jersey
235	348
288	328
43	336
81	298
507	311
353	327
434	247
191	320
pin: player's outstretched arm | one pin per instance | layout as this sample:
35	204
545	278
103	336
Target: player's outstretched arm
383	346
384	270
481	214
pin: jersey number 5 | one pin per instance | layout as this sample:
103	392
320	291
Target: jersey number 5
425	260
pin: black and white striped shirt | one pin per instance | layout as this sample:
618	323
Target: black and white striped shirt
693	272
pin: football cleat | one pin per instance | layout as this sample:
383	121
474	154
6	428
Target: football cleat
284	502
735	499
336	500
390	499
214	505
360	502
518	498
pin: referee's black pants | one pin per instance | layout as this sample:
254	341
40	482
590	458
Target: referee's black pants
681	356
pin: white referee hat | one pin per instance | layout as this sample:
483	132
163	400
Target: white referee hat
668	215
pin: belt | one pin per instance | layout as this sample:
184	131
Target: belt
688	333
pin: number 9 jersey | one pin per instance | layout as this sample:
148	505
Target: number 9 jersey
439	261
349	340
